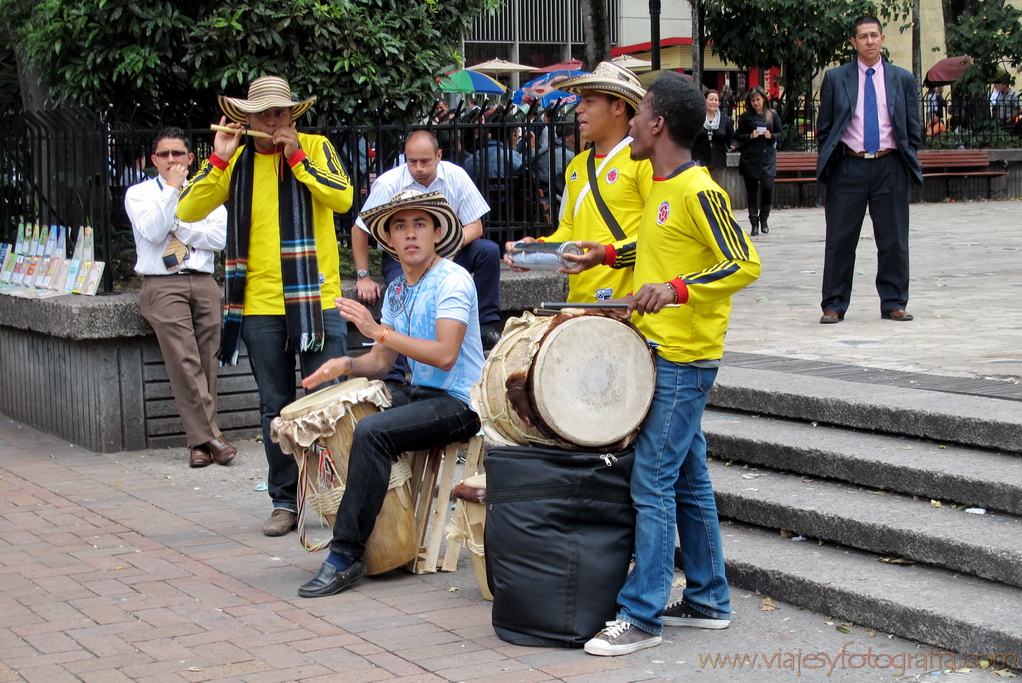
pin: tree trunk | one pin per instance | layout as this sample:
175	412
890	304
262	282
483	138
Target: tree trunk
34	90
595	32
698	41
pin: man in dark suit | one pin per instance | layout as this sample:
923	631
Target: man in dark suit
868	132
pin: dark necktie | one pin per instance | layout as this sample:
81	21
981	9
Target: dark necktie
870	116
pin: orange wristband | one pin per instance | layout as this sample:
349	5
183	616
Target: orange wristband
386	331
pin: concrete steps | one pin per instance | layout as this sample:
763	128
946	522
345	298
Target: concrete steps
853	468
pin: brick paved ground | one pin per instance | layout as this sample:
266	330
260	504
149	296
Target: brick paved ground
111	574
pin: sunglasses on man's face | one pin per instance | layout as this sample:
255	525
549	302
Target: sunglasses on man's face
177	153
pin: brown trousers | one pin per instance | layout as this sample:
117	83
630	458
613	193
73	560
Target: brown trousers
184	311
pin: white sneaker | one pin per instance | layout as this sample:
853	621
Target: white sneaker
621	638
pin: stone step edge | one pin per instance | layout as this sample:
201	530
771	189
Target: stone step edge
961	488
916	602
967	420
971	544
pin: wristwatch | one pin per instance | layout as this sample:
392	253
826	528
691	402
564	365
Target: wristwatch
362	273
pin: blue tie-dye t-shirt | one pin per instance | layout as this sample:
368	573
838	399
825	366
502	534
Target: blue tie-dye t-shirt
446	292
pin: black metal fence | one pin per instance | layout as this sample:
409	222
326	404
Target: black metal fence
67	167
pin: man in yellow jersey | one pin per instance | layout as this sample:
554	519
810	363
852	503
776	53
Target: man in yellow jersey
692	253
281	191
606	188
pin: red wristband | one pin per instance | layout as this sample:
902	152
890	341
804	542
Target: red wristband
609	254
681	289
296	158
218	162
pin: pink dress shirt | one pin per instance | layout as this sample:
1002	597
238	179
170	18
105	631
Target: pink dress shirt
853	135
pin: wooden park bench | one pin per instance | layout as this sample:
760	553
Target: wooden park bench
955	163
947	164
796	167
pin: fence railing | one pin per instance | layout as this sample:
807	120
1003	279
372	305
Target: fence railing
67	167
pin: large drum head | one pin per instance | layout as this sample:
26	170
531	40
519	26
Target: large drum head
322	398
592	380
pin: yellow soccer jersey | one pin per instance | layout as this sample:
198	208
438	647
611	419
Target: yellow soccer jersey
319	168
688	233
624	185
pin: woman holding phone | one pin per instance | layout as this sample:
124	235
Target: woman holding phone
759	132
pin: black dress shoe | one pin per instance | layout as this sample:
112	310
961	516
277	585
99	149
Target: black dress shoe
490	337
329	581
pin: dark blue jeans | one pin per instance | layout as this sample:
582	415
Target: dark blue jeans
265	337
420	418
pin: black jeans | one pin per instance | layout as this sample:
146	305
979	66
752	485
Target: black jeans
421	418
760	193
265	337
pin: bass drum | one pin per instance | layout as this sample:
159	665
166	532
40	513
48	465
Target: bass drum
577	381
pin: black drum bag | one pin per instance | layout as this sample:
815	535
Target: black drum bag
560	532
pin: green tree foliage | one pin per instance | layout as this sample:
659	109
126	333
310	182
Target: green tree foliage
146	60
990	33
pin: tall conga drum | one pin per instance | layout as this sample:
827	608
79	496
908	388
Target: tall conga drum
578	380
317	430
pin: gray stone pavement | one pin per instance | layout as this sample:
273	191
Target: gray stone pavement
131	566
965	294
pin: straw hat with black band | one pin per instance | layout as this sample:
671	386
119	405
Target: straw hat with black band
607	78
264	93
434	203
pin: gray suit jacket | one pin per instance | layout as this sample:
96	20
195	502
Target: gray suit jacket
838	96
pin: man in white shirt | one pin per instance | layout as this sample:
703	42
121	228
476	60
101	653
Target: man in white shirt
424	171
179	297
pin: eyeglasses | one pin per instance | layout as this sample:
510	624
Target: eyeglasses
177	153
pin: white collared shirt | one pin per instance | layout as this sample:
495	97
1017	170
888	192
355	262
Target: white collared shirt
451	180
152	209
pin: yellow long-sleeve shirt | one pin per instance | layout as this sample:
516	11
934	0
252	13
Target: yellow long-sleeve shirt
624	185
689	236
319	168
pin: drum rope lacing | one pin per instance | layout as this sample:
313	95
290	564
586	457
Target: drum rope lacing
504	414
326	497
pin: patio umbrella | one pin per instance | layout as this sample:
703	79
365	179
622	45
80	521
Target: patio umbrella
947	70
496	66
630	62
647	78
544	89
570	65
465	81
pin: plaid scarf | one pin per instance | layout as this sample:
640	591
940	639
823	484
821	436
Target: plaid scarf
299	267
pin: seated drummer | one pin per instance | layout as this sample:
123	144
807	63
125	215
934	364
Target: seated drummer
431	315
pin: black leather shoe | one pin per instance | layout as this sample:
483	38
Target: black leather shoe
329	581
490	337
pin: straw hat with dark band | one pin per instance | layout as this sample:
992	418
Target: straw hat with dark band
434	203
607	78
263	93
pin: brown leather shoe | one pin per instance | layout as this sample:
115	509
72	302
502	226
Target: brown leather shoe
280	522
200	457
830	318
899	315
223	453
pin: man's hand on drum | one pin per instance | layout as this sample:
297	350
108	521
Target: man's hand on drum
332	369
355	312
652	296
594	255
507	253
